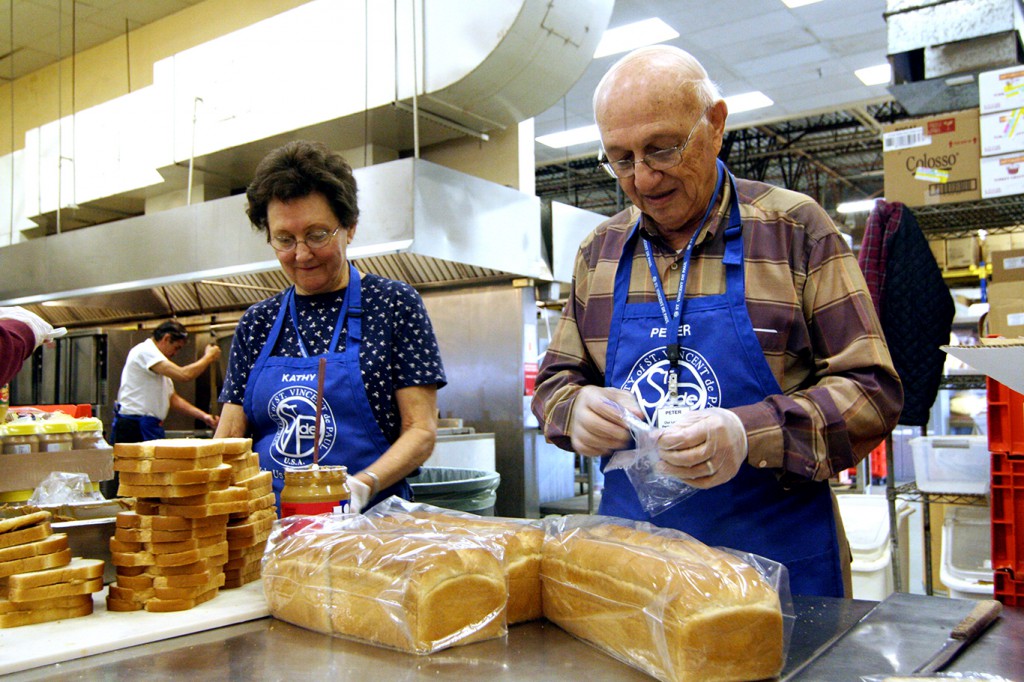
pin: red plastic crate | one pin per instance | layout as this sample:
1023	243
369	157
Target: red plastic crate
1007	504
1009	591
1005	418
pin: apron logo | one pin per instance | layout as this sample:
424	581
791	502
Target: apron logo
648	381
293	409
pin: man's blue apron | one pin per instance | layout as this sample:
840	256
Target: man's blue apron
134	428
280	401
721	365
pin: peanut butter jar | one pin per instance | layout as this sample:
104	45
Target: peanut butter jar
314	490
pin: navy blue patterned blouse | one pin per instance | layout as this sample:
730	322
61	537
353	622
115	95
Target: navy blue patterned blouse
399	347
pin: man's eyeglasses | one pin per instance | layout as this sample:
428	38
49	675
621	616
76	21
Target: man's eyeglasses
661	160
314	240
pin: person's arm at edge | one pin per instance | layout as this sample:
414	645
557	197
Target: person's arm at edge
233	423
17	342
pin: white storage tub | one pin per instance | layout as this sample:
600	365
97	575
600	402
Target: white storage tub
966	568
866	521
952	464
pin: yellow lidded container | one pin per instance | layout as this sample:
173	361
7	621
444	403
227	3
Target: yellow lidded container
21	438
88	434
315	490
55	435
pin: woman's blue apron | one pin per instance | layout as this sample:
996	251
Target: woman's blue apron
280	401
721	364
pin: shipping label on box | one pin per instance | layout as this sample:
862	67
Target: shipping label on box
1002	176
1008	266
933	160
1001	89
1002	132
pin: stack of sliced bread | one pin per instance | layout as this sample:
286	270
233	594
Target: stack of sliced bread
39	579
247	530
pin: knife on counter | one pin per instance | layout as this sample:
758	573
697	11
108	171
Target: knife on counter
965	632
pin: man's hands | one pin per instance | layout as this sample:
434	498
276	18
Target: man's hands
704	448
597	427
212	351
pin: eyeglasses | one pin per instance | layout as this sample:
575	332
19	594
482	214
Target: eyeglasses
661	160
316	239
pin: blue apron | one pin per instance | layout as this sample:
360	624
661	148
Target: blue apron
721	364
280	402
133	428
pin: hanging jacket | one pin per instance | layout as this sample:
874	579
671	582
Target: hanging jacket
913	303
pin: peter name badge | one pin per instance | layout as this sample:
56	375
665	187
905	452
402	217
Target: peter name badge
671	411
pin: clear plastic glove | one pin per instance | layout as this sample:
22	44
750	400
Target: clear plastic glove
597	425
41	329
359	495
705	448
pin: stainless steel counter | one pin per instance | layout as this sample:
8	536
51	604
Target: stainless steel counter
268	649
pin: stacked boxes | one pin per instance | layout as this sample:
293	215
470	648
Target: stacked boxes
1006	294
1001	102
1006	441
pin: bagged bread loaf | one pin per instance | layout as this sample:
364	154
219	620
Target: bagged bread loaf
520	540
661	601
417	592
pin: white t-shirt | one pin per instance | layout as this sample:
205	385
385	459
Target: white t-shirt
143	392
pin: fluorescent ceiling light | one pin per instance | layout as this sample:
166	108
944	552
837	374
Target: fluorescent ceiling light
568	138
748	101
798	3
631	36
856	206
874	75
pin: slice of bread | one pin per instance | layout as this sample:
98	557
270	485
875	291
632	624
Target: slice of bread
56	590
44	615
38	562
164	605
23	521
157	466
23	535
221	472
54	543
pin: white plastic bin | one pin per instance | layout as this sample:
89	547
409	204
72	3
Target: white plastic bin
951	464
866	521
966	568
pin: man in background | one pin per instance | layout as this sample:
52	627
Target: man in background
147	385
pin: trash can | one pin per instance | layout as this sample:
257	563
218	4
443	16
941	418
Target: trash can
467	490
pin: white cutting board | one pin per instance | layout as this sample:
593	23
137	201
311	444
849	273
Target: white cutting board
31	646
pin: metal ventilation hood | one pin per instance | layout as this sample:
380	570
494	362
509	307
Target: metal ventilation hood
419	222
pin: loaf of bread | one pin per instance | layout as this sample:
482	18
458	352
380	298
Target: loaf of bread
520	540
414	592
661	601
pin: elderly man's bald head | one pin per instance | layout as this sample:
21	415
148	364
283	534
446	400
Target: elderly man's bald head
667	68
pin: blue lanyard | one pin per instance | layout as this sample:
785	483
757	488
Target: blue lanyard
677	310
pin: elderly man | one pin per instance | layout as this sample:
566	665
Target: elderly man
729	314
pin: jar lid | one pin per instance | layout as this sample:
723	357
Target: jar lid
56	426
309	474
88	424
22	428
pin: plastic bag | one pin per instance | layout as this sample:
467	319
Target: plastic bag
418	591
657	492
61	487
663	602
926	677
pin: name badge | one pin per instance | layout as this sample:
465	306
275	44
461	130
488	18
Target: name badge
670	412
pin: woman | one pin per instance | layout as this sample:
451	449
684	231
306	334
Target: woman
383	367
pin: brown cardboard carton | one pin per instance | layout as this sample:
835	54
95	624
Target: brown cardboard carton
933	160
962	252
25	472
1008	266
938	247
1006	308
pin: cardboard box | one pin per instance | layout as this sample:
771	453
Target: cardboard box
938	247
994	243
1006	309
25	472
1002	176
1008	266
933	160
1001	89
962	252
1002	132
1001	359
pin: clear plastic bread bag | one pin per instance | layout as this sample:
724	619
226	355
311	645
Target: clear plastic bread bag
418	592
521	541
665	603
657	492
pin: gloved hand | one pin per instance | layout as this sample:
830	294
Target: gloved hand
596	426
359	495
41	329
705	448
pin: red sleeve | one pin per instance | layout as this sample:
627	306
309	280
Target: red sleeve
16	343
